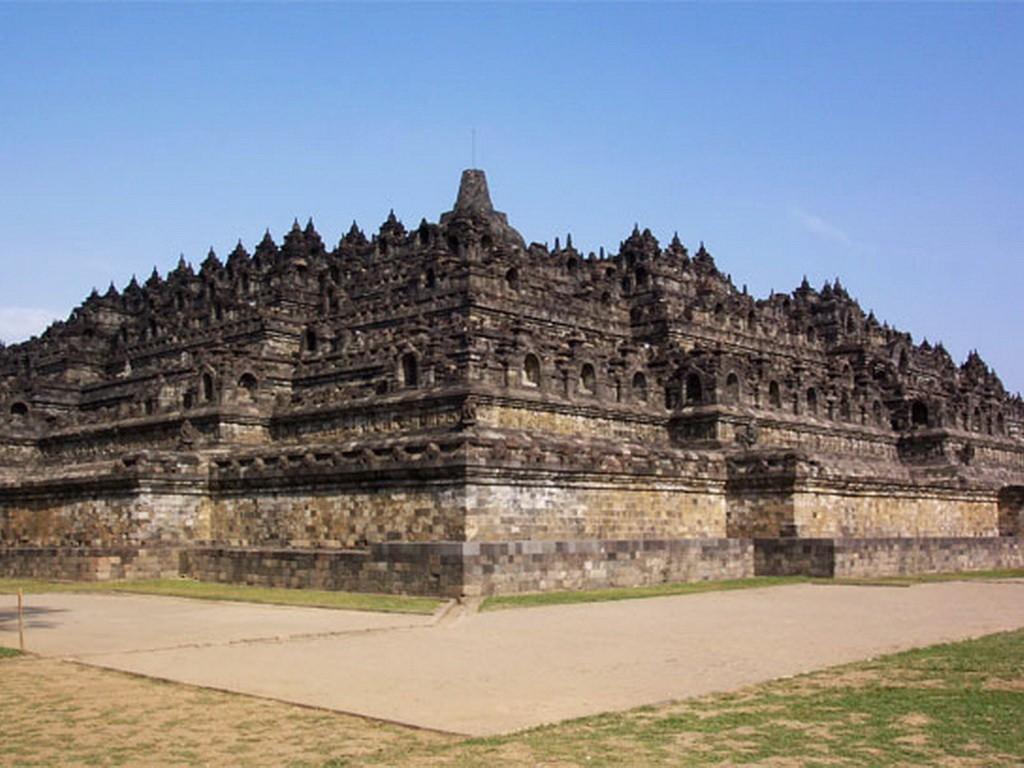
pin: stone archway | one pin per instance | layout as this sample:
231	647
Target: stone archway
1011	510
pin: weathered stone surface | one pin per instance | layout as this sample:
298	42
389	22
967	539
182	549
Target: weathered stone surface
451	383
870	557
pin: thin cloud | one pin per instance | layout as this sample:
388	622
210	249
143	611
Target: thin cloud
20	323
819	227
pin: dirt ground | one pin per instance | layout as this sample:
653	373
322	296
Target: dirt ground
490	673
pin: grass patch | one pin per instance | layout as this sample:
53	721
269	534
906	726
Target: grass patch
531	600
926	578
534	599
201	590
156	723
6	653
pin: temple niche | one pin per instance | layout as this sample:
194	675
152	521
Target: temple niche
446	409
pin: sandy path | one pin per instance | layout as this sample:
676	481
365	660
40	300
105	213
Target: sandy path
68	624
495	672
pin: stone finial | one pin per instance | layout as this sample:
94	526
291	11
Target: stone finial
473	212
392	228
676	248
474	196
266	248
354	237
294	244
238	254
314	243
211	262
703	256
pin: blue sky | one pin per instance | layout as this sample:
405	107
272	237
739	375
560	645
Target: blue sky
879	143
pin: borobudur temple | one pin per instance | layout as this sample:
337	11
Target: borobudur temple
447	410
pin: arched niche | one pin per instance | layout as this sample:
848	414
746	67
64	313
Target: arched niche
410	371
693	389
588	379
531	371
639	387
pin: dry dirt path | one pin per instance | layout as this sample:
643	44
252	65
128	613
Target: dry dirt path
82	625
495	672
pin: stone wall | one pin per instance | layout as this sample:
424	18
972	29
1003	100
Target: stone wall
89	563
496	568
759	514
451	569
572	421
413	569
893	512
102	514
571	508
1011	507
896	557
794	557
878	557
338	517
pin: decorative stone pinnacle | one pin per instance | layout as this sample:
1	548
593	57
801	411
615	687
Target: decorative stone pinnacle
474	196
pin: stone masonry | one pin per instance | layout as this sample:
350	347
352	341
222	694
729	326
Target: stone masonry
448	410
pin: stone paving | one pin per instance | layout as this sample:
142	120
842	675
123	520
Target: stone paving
488	673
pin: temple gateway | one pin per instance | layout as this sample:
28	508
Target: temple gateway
447	410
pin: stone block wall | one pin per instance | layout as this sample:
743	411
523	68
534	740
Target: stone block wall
56	520
451	569
794	557
89	563
759	514
130	514
1011	511
573	508
337	517
575	422
414	569
855	558
498	568
879	557
897	512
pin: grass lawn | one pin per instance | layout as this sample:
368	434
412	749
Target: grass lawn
311	598
924	578
533	599
959	704
6	653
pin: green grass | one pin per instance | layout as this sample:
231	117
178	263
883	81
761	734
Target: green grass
8	652
925	578
200	590
535	599
531	600
959	703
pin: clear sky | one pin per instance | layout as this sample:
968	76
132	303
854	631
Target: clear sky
879	143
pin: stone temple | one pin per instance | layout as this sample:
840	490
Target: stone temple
448	410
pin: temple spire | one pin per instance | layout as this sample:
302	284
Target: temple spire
474	196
